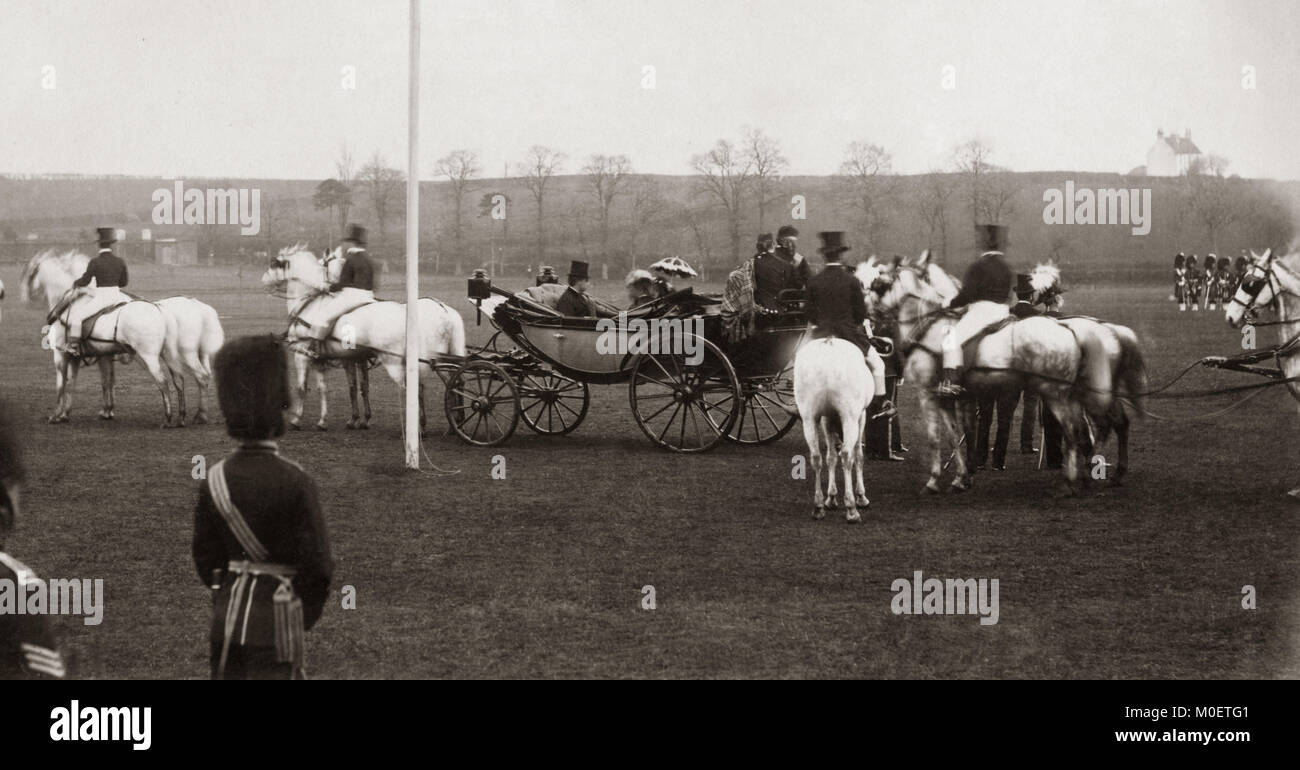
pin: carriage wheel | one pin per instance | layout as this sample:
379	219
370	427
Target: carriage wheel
482	403
552	404
763	417
681	406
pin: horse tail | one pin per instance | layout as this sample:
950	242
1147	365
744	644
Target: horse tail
212	337
171	340
1131	370
456	332
1095	378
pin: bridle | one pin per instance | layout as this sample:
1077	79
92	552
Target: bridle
1252	285
921	322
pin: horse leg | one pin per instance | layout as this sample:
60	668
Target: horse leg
1121	425
300	362
65	377
935	432
849	455
318	373
960	415
832	462
160	377
365	396
812	437
860	487
107	375
178	380
203	379
351	370
1070	416
420	397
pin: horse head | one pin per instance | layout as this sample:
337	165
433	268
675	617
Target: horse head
293	271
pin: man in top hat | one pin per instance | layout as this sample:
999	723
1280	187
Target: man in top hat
787	248
574	301
259	536
984	293
837	308
28	649
355	287
109	273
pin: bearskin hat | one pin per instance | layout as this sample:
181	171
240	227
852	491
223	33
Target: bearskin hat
252	387
991	237
1180	260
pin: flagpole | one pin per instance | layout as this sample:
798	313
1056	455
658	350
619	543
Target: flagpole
412	432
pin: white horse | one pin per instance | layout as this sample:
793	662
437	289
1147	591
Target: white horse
1269	279
832	388
373	332
194	333
138	328
1035	353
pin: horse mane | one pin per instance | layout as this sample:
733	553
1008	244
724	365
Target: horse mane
867	273
294	249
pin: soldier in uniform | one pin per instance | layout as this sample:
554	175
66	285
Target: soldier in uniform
355	287
259	536
109	273
1194	277
1180	280
28	649
984	292
837	308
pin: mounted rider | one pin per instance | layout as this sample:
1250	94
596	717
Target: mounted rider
838	308
984	292
355	287
109	273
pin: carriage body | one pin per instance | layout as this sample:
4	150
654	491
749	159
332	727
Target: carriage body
689	386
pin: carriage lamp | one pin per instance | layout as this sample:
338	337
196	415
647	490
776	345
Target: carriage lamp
480	288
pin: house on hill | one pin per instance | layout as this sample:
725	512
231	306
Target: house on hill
1171	155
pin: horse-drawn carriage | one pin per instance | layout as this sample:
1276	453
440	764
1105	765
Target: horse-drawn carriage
690	386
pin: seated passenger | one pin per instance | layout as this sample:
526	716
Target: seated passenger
640	288
672	274
574	301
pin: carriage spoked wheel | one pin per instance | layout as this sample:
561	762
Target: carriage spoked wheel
551	403
685	406
482	403
763	414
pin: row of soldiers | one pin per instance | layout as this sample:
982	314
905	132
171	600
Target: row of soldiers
1211	282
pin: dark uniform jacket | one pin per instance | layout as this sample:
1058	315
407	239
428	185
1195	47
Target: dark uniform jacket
357	273
27	646
836	306
106	268
279	502
988	279
801	270
1024	309
772	275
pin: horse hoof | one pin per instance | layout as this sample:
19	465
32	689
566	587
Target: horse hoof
832	504
200	419
819	513
1066	491
351	425
322	426
961	484
105	416
294	426
853	517
364	425
863	502
931	487
1294	494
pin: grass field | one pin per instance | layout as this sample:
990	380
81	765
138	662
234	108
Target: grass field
540	574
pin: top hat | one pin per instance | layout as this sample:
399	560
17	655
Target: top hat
787	231
1024	287
991	237
355	234
578	271
252	387
107	236
832	243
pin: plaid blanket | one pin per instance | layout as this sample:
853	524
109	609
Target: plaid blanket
738	306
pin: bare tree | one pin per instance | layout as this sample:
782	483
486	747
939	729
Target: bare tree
383	187
607	175
764	156
648	208
344	171
932	197
866	180
726	177
1212	197
460	167
972	161
542	164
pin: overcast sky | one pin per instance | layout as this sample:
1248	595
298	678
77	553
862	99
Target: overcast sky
255	88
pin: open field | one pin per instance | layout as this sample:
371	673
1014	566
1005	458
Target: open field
540	574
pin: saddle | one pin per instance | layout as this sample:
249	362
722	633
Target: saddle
88	324
971	345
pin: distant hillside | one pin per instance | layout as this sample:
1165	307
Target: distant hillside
656	216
